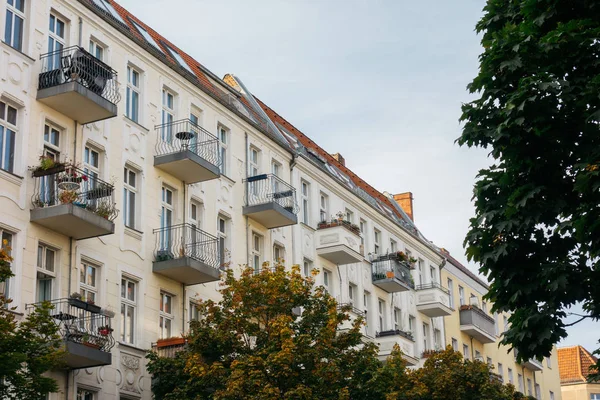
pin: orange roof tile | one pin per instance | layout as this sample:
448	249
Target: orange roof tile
574	364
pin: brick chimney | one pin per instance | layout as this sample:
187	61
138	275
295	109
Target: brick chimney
339	158
405	201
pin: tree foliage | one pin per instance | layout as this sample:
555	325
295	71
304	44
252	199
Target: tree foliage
251	345
536	231
29	348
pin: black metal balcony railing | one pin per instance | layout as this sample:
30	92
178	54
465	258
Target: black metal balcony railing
78	325
185	240
80	187
185	135
393	332
74	64
432	285
352	309
269	188
388	268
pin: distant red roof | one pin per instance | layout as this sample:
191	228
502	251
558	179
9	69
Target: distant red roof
574	364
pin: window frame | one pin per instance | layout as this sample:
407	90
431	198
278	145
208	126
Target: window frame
94	45
222	236
224	138
130	219
376	241
128	304
8	148
9	236
256	251
134	87
305	196
43	273
450	284
85	287
323	206
16	13
166	318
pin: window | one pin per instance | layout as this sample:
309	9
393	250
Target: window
6	237
307	267
88	281
166	218
451	292
501	370
437	339
278	254
15	20
421	265
195	214
351	293
85	394
484	306
129	197
195	120
363	227
52	141
466	351
46	261
97	50
222	231
326	279
175	54
454	344
461	295
496	324
304	193
104	5
412	325
56	41
276	168
194	311
477	355
323	207
166	315
426	343
397	319
520	382
254	166
505	321
538	392
256	251
168	112
552	396
548	362
489	361
432	274
223	144
349	216
393	246
510	377
529	391
128	309
132	103
381	313
146	35
376	239
8	133
367	305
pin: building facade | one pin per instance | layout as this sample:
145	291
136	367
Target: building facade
574	363
131	176
476	332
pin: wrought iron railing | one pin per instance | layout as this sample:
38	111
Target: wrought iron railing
68	184
432	285
394	332
74	64
352	309
388	268
183	135
269	188
186	240
80	324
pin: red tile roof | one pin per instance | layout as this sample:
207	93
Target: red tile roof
574	364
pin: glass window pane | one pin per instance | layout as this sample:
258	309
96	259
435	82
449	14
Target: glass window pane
131	291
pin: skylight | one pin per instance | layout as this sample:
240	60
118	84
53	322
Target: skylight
146	35
179	59
106	6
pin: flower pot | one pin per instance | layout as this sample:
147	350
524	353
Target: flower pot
389	274
92	345
93	308
50	171
176	341
78	303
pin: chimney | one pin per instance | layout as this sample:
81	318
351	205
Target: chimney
405	201
339	158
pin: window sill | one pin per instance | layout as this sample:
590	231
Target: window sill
228	179
134	233
12	178
131	346
127	119
17	51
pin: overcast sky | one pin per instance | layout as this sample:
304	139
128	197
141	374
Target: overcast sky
380	82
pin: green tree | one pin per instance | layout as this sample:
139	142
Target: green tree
29	348
251	345
536	232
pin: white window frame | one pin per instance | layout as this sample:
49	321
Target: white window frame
426	342
323	207
59	43
307	267
16	13
461	295
363	227
397	319
80	395
501	371
451	292
253	161
222	235
256	253
376	241
511	378
130	217
351	293
278	253
193	311
223	134
134	87
167	114
128	309
326	280
97	49
466	354
8	154
87	289
521	383
43	272
10	237
393	246
412	325
349	216
166	317
178	58
454	342
381	314
305	196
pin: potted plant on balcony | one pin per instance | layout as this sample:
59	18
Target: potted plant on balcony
67	196
105	209
105	330
108	313
92	307
89	341
47	166
76	300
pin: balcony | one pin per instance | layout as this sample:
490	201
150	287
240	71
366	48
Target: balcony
531	364
186	254
387	339
87	333
433	300
187	151
73	202
477	324
78	85
338	242
353	312
391	274
270	201
169	348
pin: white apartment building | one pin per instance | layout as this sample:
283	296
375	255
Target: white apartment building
171	174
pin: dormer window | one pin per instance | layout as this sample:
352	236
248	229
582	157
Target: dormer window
146	35
179	59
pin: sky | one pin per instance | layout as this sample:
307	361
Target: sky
381	82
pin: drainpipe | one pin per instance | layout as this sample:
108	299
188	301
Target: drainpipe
183	285
246	199
472	350
292	165
80	30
